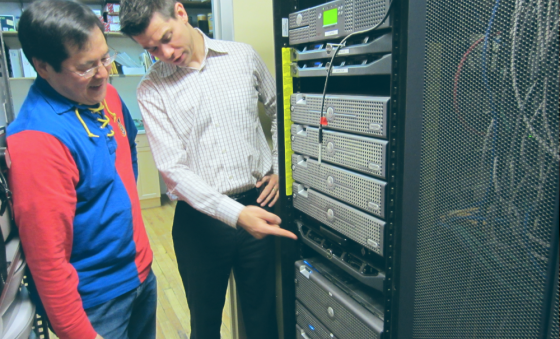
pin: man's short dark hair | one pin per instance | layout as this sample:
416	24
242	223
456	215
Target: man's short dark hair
135	15
47	28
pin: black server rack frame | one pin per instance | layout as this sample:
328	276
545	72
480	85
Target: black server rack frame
411	83
389	85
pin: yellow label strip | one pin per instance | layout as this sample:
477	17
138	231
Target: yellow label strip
287	90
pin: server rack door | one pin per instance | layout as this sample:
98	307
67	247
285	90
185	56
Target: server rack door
480	171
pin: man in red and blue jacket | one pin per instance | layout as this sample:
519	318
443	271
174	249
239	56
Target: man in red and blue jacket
73	170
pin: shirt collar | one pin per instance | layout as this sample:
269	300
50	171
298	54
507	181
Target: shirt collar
210	45
58	103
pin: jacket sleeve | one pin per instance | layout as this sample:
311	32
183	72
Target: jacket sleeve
43	177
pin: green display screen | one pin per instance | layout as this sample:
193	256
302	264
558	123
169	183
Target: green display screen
330	17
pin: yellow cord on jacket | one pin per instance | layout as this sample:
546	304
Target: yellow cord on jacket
91	135
104	120
107	109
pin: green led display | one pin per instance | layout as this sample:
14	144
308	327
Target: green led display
330	17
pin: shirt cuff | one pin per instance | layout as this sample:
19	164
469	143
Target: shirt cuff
228	211
275	167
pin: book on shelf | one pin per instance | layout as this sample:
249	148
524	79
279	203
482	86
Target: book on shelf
28	70
148	60
19	65
16	63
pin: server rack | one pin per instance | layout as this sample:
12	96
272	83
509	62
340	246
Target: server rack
342	207
442	60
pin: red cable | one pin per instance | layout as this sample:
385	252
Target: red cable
456	86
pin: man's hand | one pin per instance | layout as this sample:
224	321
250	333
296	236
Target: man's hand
98	337
260	223
270	191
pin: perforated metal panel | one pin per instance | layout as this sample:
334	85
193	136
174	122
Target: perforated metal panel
299	34
345	317
555	317
313	29
357	225
351	113
363	154
489	168
349	15
368	13
356	189
308	323
303	20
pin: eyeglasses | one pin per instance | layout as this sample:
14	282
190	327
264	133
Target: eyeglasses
105	62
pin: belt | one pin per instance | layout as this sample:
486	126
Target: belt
246	197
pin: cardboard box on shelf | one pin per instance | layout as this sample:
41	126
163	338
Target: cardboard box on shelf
112	8
113	19
114	27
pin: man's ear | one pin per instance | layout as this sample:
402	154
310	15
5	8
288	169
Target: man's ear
42	68
181	12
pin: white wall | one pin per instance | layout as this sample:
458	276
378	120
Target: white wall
252	22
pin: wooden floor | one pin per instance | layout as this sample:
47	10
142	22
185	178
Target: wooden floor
173	316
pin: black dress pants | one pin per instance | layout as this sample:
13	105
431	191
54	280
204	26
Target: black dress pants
206	251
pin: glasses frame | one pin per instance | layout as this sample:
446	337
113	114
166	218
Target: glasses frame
89	73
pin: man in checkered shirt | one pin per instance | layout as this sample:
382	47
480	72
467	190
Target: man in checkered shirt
199	105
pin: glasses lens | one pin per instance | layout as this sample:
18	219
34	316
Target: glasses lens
112	56
106	62
89	73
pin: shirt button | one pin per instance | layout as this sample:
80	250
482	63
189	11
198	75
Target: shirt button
231	177
223	151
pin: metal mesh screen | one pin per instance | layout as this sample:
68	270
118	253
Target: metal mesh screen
555	324
299	35
489	171
349	15
368	13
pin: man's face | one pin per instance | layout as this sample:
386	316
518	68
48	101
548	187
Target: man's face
170	40
70	84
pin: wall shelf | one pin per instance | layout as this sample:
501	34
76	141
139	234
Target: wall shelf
115	35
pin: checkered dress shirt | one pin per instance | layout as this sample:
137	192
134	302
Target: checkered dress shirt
204	129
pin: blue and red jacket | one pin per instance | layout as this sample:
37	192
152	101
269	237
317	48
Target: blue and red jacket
72	171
